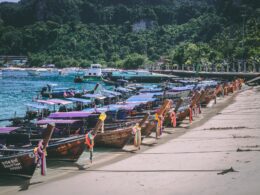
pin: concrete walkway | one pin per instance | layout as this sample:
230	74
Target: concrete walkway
194	163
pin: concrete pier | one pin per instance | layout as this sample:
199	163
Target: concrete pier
220	75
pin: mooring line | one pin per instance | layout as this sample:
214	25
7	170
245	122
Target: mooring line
155	171
216	151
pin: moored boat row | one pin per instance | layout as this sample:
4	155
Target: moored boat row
114	125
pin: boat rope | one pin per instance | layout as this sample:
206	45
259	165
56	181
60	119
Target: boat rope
220	171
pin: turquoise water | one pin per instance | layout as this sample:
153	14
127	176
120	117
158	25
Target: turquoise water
15	92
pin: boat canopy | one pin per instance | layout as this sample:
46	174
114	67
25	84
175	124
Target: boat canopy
185	88
122	89
94	110
144	98
59	101
37	106
62	89
110	95
105	91
111	107
54	101
148	90
7	130
74	114
121	106
48	102
81	100
97	96
149	95
205	84
57	121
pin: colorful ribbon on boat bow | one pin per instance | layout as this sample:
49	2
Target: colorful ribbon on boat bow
102	116
198	109
225	90
137	132
159	128
89	141
173	119
40	157
190	116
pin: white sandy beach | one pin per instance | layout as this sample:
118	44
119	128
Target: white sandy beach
188	164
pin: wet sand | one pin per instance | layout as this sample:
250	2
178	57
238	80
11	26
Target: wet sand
189	160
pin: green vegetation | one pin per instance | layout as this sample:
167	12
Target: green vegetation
81	32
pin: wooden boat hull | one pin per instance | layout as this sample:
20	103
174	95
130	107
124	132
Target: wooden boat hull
87	79
109	82
19	164
148	128
115	138
207	99
182	115
67	149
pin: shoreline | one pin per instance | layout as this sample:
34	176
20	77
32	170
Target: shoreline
217	157
101	159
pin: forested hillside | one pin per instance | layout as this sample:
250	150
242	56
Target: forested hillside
130	33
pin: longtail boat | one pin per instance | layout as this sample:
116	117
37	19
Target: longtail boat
208	96
17	162
66	149
114	138
21	161
185	111
61	146
155	122
51	92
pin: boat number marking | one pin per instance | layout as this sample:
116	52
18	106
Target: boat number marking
12	164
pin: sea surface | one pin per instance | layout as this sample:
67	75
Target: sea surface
15	92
